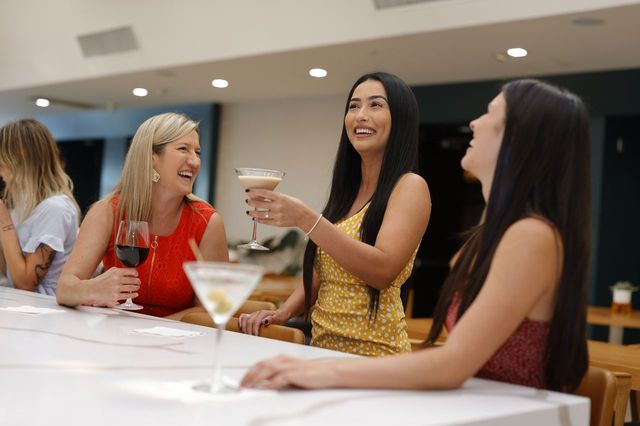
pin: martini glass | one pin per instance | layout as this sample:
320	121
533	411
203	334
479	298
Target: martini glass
262	179
222	288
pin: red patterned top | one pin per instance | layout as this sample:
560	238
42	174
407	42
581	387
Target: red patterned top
164	287
520	360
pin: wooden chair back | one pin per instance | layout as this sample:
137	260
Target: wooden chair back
623	389
277	332
250	306
599	385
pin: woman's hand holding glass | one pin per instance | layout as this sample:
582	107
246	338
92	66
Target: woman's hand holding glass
114	285
251	323
278	209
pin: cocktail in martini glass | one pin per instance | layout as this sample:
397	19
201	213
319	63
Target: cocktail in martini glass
263	179
222	288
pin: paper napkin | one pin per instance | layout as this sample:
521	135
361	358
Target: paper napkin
31	310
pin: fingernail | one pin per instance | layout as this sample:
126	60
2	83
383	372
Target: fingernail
246	190
246	200
246	211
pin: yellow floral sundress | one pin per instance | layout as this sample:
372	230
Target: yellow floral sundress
339	319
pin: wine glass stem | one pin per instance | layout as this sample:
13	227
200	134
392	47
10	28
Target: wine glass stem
129	301
215	384
255	229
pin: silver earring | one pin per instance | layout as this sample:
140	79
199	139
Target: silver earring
156	176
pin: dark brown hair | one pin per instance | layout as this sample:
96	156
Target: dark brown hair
543	169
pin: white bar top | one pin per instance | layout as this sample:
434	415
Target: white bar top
88	366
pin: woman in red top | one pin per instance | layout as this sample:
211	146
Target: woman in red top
157	180
515	299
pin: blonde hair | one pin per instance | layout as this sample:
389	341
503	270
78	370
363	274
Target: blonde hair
30	154
136	183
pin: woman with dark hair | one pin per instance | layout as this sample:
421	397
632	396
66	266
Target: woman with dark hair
362	247
38	214
514	302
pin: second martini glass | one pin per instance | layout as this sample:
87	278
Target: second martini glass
263	179
222	288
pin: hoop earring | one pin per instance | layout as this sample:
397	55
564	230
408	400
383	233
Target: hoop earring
156	176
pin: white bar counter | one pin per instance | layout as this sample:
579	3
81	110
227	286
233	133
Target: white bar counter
87	366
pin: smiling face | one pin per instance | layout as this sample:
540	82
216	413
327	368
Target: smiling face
488	130
368	118
178	164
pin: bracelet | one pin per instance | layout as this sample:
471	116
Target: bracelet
314	225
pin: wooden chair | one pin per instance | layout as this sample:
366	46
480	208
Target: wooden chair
408	310
277	332
418	330
599	385
623	389
250	306
635	405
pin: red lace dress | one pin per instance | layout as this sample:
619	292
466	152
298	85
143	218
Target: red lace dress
520	360
164	287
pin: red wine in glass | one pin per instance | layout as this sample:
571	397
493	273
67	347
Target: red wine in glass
131	256
132	248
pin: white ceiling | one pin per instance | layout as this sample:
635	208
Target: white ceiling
265	47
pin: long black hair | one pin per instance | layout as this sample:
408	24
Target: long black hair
400	157
542	169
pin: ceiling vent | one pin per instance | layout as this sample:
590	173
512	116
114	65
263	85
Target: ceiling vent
67	103
384	4
108	42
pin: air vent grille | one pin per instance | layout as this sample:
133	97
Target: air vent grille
108	42
384	4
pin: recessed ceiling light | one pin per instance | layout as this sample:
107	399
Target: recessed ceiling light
517	52
140	91
220	83
42	102
587	22
318	72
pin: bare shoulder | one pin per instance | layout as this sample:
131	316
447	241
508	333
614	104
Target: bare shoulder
412	185
534	231
101	212
412	181
215	220
101	207
214	241
532	241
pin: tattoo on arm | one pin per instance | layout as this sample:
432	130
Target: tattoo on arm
8	227
41	269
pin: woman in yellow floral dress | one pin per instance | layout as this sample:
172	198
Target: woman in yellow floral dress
362	247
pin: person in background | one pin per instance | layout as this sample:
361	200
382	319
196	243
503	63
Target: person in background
156	186
363	245
515	300
38	214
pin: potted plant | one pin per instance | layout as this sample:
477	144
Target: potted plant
622	297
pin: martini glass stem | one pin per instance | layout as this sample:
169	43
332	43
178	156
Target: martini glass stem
215	384
255	230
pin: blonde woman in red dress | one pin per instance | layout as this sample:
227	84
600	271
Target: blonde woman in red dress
156	186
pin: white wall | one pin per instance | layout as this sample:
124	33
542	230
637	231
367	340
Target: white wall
37	50
299	136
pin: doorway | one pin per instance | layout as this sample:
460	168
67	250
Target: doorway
457	205
83	164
